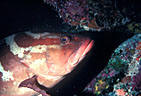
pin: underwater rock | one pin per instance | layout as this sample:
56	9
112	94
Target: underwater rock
89	14
122	75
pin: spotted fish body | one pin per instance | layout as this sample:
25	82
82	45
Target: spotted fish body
48	56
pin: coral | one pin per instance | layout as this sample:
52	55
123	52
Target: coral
100	86
89	14
137	81
123	72
134	27
118	64
120	92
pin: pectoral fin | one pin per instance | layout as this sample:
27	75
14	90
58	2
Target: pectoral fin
32	83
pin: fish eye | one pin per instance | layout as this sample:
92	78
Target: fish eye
65	39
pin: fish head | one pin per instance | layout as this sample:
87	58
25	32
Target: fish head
50	56
70	51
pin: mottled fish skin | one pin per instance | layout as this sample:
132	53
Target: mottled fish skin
29	60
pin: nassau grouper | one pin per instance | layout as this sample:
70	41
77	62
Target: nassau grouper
28	60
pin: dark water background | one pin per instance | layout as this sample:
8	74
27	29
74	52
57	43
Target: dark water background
22	15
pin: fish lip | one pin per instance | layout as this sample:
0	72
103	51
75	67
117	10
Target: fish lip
88	44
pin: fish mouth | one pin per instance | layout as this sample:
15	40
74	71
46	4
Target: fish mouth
78	55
